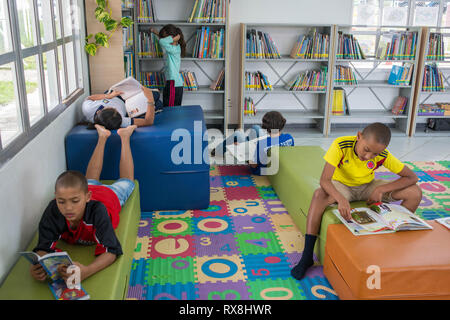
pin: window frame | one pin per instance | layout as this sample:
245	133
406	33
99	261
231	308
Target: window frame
16	56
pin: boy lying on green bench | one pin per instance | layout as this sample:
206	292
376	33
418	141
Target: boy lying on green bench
85	211
348	175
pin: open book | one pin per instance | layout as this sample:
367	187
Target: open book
135	99
382	218
245	151
444	221
50	263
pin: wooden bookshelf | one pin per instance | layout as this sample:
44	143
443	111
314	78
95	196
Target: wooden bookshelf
303	109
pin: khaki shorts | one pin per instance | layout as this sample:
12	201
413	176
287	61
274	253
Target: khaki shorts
362	192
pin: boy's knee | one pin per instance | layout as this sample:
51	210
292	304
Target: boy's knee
416	192
320	195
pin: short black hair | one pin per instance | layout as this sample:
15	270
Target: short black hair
273	120
110	118
379	131
71	179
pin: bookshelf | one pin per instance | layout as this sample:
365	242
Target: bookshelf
129	44
372	97
305	110
418	120
177	12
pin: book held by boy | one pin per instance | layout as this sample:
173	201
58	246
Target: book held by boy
382	218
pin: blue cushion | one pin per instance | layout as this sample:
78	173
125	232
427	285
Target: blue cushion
164	185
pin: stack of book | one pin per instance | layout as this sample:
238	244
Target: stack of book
128	61
190	81
126	4
148	45
401	75
436	47
399	105
340	103
127	37
348	47
209	44
311	80
153	79
437	109
145	11
433	80
249	107
261	46
344	75
207	11
397	46
256	81
315	45
219	83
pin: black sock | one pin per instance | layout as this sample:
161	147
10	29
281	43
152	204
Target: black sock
298	272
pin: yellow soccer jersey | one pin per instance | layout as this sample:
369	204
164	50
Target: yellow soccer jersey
350	170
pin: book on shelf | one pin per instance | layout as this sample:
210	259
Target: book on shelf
436	46
190	80
209	43
339	106
382	218
437	109
50	263
433	79
208	11
310	80
145	11
400	45
345	75
444	221
348	47
127	36
127	4
257	81
401	75
219	83
260	45
153	79
128	59
314	45
148	46
249	107
399	105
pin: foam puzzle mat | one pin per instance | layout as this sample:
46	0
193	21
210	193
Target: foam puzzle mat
244	245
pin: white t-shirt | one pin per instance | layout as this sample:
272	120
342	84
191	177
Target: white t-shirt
90	107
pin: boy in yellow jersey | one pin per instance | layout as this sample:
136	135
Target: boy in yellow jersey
348	175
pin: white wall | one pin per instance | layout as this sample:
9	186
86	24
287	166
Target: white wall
27	181
276	11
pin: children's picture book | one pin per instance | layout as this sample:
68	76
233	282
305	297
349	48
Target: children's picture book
444	221
50	263
135	99
245	151
382	218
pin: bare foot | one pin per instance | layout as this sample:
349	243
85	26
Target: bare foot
126	132
102	131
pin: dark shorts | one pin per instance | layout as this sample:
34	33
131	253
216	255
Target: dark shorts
172	96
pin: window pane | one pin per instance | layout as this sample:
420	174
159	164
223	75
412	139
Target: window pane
5	32
426	13
62	72
10	121
446	15
51	83
395	13
67	17
25	11
45	21
33	85
71	75
57	19
366	12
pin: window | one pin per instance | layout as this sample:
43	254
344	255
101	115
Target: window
40	67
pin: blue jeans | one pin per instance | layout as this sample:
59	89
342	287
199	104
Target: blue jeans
239	137
122	188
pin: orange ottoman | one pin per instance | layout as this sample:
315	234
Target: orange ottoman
412	264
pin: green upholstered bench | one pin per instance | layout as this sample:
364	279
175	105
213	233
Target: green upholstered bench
298	177
110	283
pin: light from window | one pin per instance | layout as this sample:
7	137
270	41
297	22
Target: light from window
45	20
51	82
27	27
33	88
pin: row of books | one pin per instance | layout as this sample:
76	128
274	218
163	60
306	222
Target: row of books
255	81
153	79
344	75
126	4
249	107
127	36
348	47
261	46
314	45
401	75
190	80
209	43
397	46
310	80
219	83
435	47
433	80
128	59
399	106
156	80
145	11
148	45
436	109
209	11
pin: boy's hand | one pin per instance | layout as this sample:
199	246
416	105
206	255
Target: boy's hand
376	196
62	269
37	272
113	94
344	209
